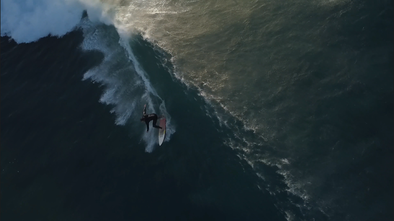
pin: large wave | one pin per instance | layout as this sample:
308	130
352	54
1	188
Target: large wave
127	85
219	52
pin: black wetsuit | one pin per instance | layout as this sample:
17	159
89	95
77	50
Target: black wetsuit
147	118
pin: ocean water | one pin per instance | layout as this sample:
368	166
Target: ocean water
275	110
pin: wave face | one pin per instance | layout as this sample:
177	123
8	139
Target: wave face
294	81
126	83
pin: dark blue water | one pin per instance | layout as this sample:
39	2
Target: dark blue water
64	158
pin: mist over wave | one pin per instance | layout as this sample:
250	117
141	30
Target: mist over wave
28	21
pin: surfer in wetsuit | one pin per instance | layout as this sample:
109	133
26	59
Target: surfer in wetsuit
147	118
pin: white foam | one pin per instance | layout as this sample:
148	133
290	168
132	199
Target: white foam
27	21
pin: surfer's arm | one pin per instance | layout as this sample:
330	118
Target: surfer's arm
144	111
147	127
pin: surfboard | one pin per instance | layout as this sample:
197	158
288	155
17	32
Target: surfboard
162	132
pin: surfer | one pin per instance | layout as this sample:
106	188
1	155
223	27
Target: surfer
147	118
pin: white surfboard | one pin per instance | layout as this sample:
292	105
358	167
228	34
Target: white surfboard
162	132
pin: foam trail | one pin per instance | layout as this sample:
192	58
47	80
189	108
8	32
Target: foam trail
117	76
149	140
127	84
124	43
